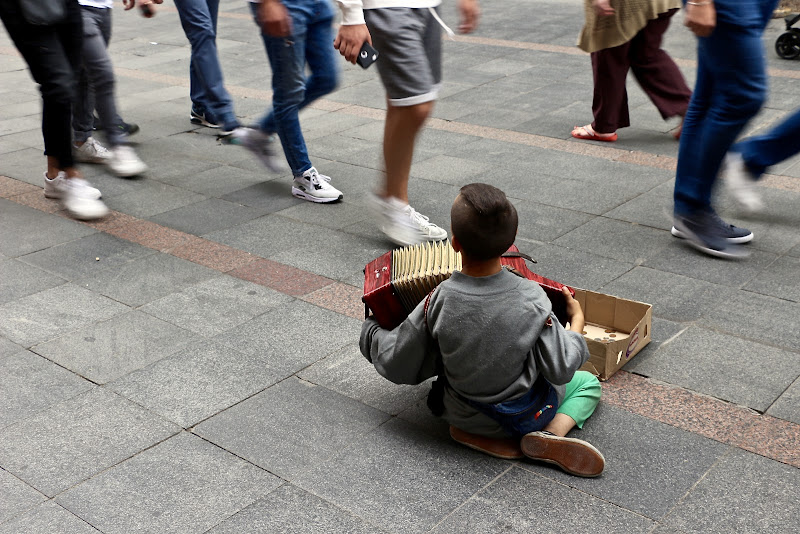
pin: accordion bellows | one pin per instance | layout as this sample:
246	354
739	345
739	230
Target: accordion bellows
397	281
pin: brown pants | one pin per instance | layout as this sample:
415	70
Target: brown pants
656	72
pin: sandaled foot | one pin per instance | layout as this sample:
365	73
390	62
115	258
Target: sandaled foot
676	133
505	448
588	133
575	456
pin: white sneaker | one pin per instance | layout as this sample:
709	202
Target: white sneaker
404	225
314	186
741	183
80	201
125	163
91	152
57	187
259	143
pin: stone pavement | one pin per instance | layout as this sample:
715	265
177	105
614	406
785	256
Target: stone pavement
190	363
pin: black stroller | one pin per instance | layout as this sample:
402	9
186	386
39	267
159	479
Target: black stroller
787	45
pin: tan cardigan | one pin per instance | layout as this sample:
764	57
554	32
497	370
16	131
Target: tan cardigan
630	16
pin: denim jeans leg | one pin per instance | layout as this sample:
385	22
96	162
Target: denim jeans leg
287	60
99	72
730	89
199	21
779	144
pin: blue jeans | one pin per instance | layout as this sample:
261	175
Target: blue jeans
311	42
731	87
207	90
780	143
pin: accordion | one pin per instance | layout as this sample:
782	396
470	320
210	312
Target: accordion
397	281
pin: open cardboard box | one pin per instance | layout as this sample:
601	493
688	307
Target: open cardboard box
616	330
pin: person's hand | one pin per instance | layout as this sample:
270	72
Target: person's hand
147	7
470	13
350	39
574	311
602	8
701	19
274	18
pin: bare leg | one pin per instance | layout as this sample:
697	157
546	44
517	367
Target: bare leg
53	169
560	425
403	123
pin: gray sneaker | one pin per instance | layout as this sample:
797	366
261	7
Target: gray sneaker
707	232
259	143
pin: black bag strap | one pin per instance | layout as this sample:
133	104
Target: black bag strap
517	254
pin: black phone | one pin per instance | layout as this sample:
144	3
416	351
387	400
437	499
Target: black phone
367	56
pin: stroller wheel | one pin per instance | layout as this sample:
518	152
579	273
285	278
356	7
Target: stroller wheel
788	45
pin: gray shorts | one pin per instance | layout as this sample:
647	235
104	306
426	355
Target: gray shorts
409	41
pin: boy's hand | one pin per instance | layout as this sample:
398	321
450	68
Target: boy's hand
574	311
350	39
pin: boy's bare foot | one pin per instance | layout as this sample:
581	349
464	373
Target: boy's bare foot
575	456
504	448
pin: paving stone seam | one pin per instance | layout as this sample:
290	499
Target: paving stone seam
612	387
472	497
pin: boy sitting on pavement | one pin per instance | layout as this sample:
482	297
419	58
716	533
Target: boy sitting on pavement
497	348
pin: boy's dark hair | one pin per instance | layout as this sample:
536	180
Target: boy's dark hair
484	221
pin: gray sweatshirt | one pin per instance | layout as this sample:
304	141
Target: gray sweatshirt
496	335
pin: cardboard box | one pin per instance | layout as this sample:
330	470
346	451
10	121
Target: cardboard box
616	330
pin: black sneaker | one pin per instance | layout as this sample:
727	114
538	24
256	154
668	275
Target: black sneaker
204	118
128	128
707	232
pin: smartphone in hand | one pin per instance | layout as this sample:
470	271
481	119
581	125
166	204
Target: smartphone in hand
367	56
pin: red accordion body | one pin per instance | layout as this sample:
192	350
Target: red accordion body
387	306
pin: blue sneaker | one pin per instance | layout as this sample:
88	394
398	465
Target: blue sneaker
204	118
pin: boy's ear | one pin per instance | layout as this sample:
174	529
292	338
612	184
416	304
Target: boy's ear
455	243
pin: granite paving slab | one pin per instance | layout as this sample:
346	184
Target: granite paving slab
20	280
75	439
7	348
400	478
27	230
54	312
779	280
141	281
787	406
290	510
661	332
674	297
197	382
208	216
184	484
47	518
626	242
724	366
18	497
650	466
347	372
292	337
87	257
742	493
107	350
264	429
213	306
509	504
753	316
30	383
153	198
540	222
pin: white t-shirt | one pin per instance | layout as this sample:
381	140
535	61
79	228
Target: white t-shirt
102	4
